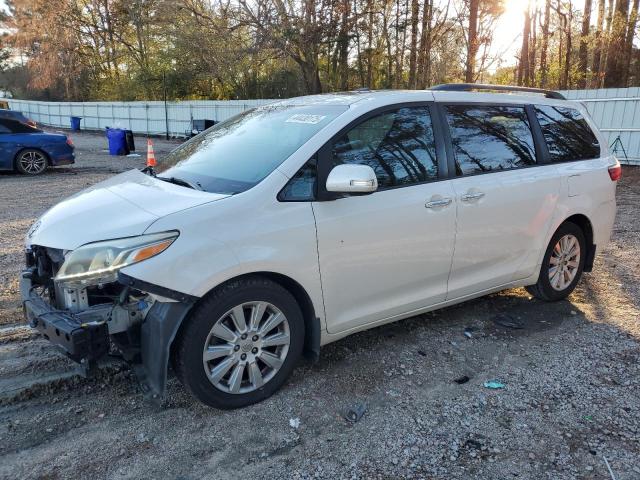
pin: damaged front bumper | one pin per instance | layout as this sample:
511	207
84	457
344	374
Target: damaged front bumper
88	335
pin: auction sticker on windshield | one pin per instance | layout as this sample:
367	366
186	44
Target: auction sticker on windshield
305	118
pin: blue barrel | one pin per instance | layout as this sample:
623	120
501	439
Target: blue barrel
75	123
117	141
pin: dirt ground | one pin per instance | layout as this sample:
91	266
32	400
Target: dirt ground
570	403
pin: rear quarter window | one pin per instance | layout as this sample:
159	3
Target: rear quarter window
567	134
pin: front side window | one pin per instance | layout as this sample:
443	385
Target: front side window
399	145
302	186
567	134
490	138
237	154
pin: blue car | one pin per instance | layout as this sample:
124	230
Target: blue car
30	150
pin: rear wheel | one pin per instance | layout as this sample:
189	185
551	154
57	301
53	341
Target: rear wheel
240	344
31	162
562	264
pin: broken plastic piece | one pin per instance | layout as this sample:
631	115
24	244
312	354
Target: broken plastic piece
494	384
355	413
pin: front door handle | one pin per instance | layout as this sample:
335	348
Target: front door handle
470	197
442	202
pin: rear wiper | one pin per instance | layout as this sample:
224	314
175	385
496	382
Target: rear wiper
181	182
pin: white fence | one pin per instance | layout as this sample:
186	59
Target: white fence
616	111
140	117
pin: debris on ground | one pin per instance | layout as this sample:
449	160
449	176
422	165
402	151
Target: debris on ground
494	384
294	423
508	321
355	413
606	462
462	379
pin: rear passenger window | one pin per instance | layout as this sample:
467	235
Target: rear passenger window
490	138
398	145
567	134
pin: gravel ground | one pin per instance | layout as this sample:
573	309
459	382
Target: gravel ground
571	376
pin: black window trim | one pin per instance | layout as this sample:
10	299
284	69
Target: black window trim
545	146
325	157
541	151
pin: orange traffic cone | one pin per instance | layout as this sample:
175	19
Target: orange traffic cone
151	157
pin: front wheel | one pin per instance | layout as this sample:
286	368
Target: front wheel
240	344
562	264
31	162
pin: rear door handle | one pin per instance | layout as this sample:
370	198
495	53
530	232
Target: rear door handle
470	197
443	202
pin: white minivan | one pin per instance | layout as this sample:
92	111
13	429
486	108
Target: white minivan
297	223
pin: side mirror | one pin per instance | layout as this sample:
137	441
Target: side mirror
349	178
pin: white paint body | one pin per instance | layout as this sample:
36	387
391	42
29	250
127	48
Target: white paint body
363	260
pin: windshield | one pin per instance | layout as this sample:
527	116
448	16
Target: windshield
237	154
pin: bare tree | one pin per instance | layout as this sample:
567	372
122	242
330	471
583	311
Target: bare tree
583	55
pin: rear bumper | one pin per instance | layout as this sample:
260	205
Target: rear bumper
82	342
66	159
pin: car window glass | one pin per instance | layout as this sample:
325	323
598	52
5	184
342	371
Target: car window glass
567	134
4	129
15	126
238	153
302	186
487	138
398	145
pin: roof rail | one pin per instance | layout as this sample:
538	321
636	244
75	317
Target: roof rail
467	87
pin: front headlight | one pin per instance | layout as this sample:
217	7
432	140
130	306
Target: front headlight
99	262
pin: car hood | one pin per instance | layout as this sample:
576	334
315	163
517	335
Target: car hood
122	206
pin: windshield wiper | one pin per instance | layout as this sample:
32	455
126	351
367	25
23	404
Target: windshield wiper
181	182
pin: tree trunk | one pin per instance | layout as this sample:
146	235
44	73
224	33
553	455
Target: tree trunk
533	47
413	54
472	41
583	54
544	68
343	49
523	68
615	50
631	32
597	51
567	62
370	44
603	60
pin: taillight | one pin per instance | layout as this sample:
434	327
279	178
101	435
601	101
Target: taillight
69	141
31	123
615	171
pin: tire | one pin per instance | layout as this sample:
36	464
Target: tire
31	161
213	326
558	285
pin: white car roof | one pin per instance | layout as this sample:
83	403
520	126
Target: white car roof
383	97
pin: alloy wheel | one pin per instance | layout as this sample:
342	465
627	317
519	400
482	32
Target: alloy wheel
33	162
564	262
246	347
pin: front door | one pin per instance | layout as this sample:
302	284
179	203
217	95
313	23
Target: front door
387	253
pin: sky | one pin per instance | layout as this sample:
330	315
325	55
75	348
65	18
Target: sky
507	37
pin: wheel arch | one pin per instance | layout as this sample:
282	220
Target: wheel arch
312	326
586	226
